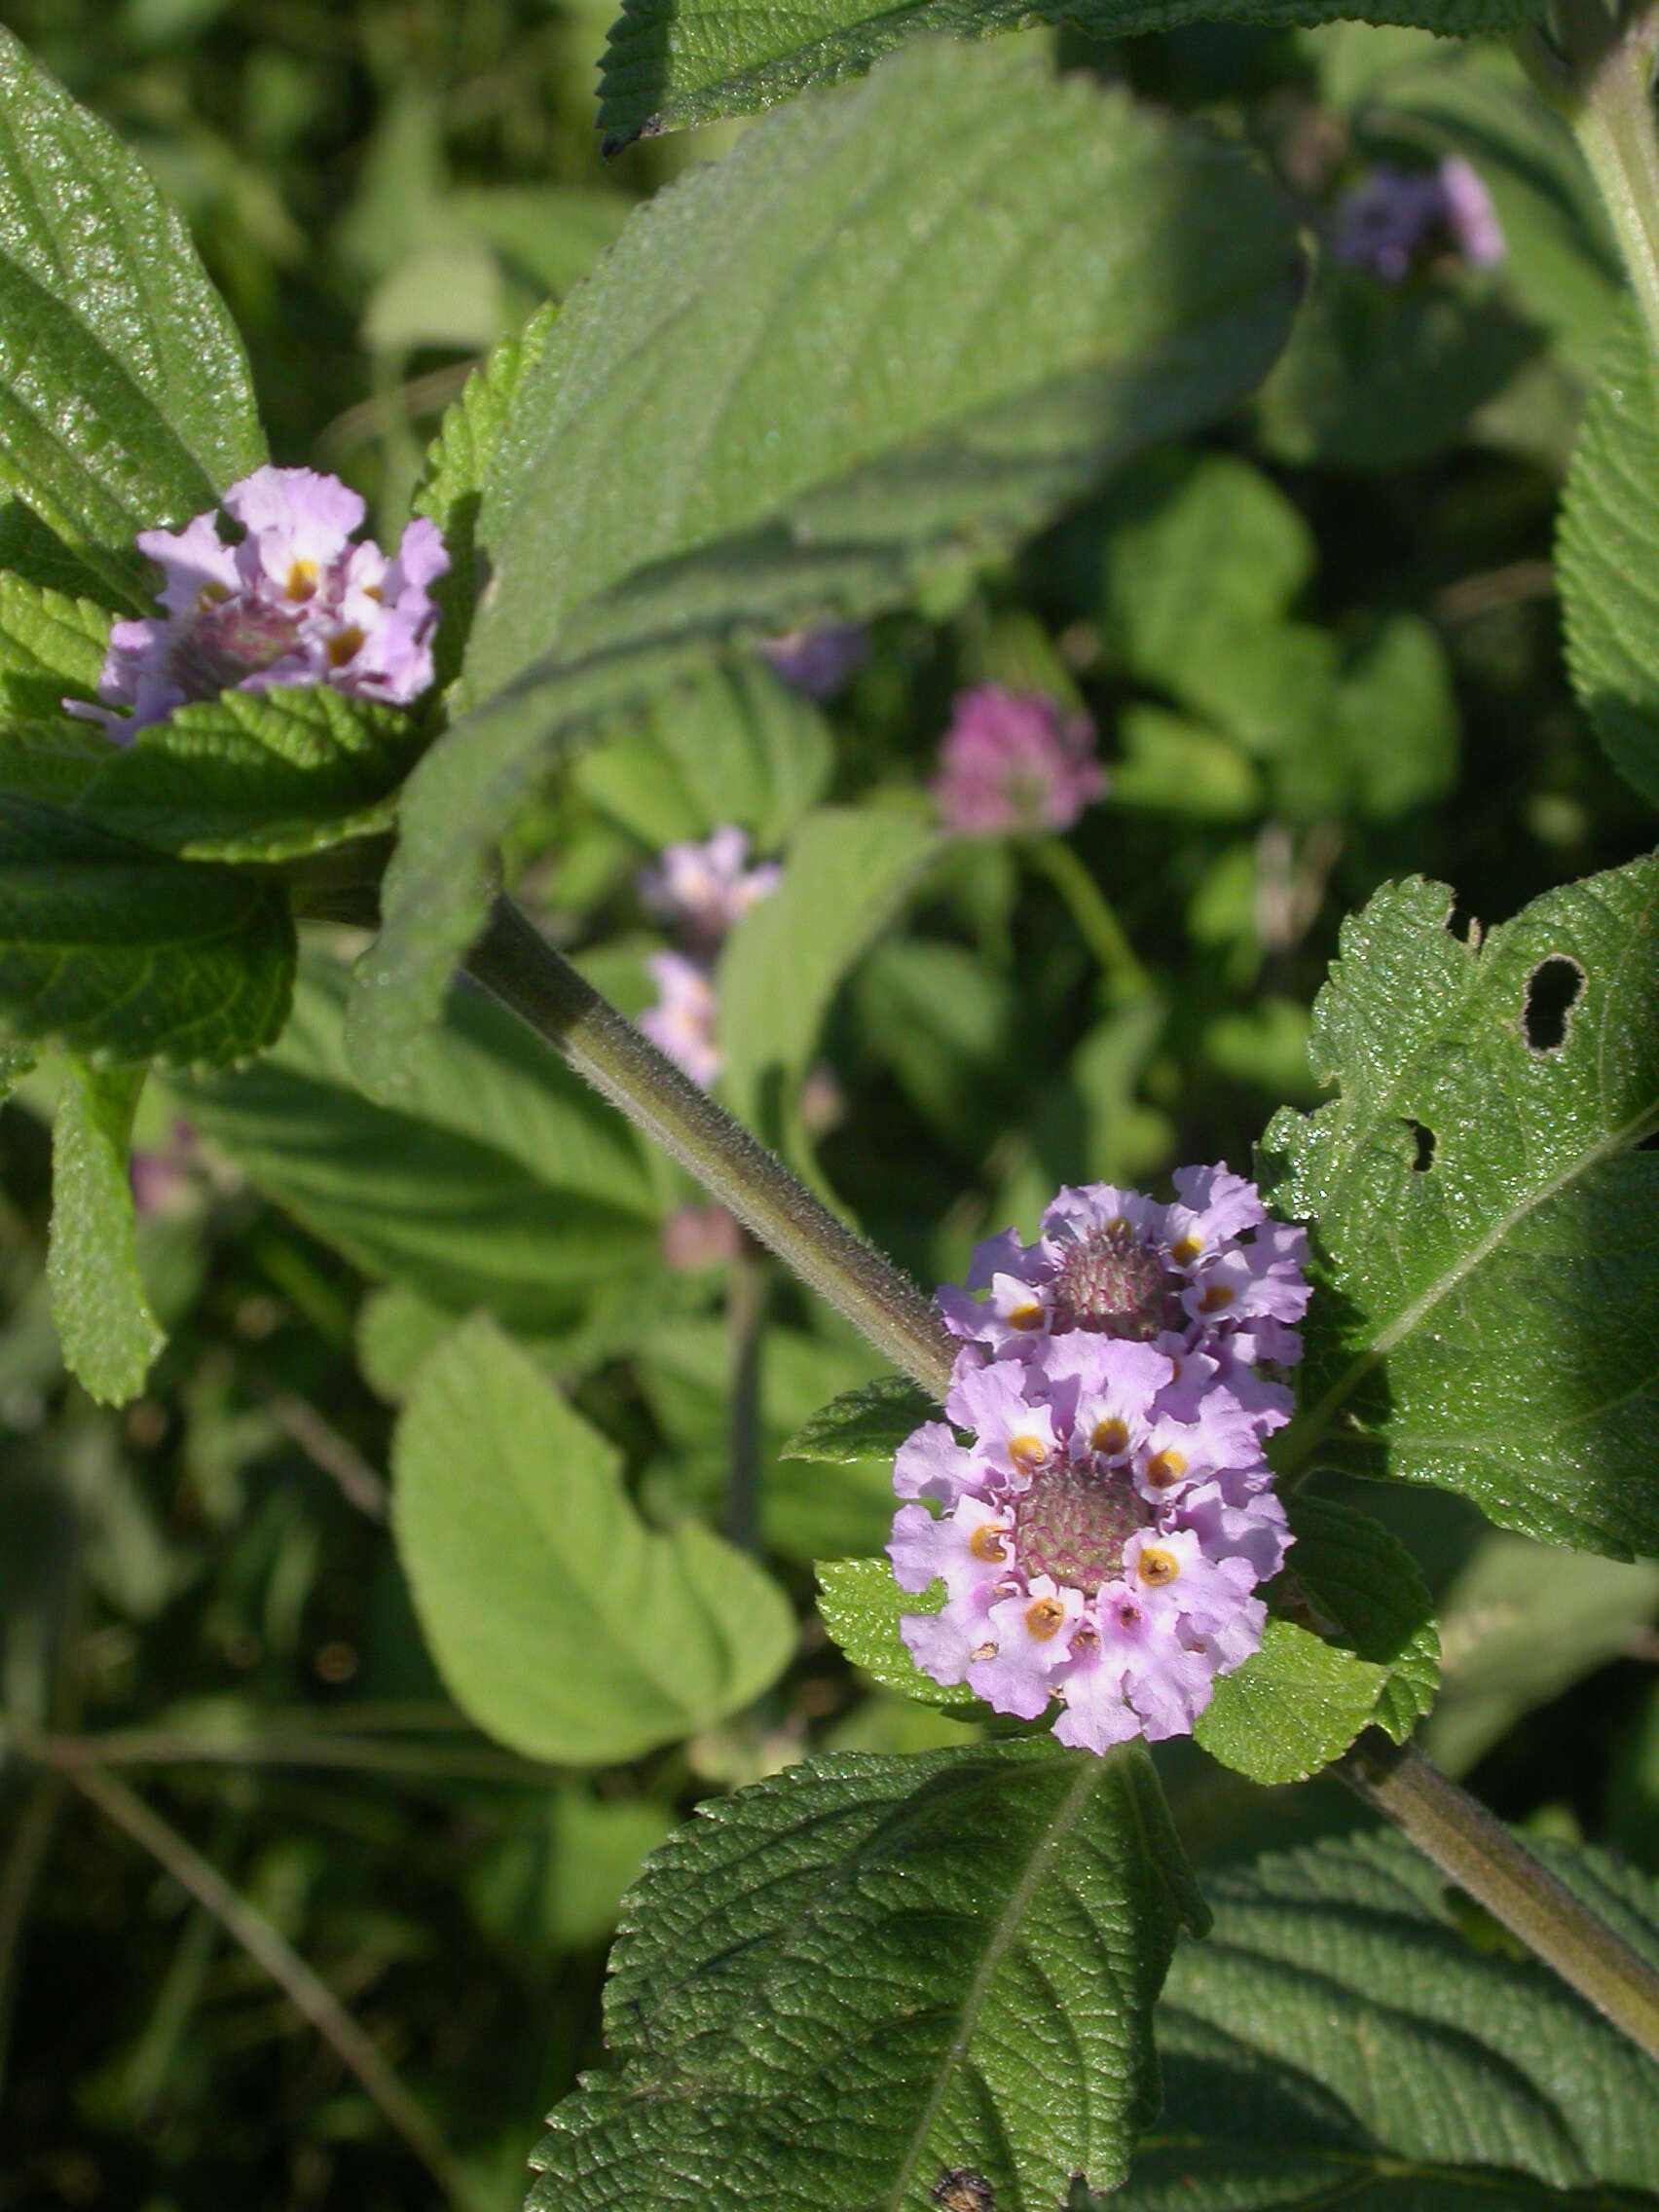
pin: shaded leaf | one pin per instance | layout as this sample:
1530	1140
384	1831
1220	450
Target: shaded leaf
867	1423
562	1623
838	1986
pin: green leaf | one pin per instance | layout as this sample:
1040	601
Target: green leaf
52	760
1489	1234
861	1603
50	644
257	776
562	1623
847	869
733	744
789	469
1291	1709
1607	559
867	1423
125	399
669	64
501	1181
1363	1591
452	484
838	1986
123	956
99	1304
1519	1625
1343	2038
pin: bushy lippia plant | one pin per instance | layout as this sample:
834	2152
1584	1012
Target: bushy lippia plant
908	321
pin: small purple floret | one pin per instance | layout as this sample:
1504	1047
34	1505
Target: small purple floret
819	661
701	890
1102	1530
1396	218
295	600
1013	761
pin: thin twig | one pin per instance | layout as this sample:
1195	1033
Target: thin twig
311	1996
31	1840
324	1447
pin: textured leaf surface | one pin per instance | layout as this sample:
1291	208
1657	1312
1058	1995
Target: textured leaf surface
1293	1706
50	644
671	63
834	1988
560	1621
1607	560
257	776
847	869
1341	2040
861	1603
867	1423
500	1181
1361	1589
1489	1236
888	334
125	398
99	1304
123	956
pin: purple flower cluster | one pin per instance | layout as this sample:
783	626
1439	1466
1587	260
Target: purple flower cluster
1395	216
294	600
1013	761
1102	1533
701	890
819	661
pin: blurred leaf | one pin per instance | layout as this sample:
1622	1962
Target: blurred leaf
257	776
786	471
1607	559
552	232
1489	1233
445	294
1379	376
1291	1709
99	1304
501	1181
556	1880
125	399
1396	721
1519	1625
1198	543
860	1604
667	66
124	956
1266	1045
846	872
1174	765
1019	2049
732	744
1339	2039
942	1020
560	1622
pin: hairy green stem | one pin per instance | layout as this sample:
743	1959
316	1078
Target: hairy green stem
515	966
1455	1832
746	1298
1092	917
1493	1865
1599	71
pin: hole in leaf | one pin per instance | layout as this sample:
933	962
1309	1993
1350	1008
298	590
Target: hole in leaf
1553	989
1462	924
959	2189
1423	1140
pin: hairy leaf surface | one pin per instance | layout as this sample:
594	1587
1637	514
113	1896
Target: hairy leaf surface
837	1988
1345	2038
98	1304
560	1621
861	1603
125	398
1489	1233
673	63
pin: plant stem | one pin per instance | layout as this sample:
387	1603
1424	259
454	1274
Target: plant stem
1599	74
515	966
1497	1871
311	1996
1097	924
746	1299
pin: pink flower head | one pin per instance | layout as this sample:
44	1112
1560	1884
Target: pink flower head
1093	1548
1013	761
293	600
703	889
818	661
1396	217
682	1023
1207	1278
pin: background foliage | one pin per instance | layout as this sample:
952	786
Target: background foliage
1321	644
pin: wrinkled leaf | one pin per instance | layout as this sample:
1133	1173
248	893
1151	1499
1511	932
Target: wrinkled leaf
860	1604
